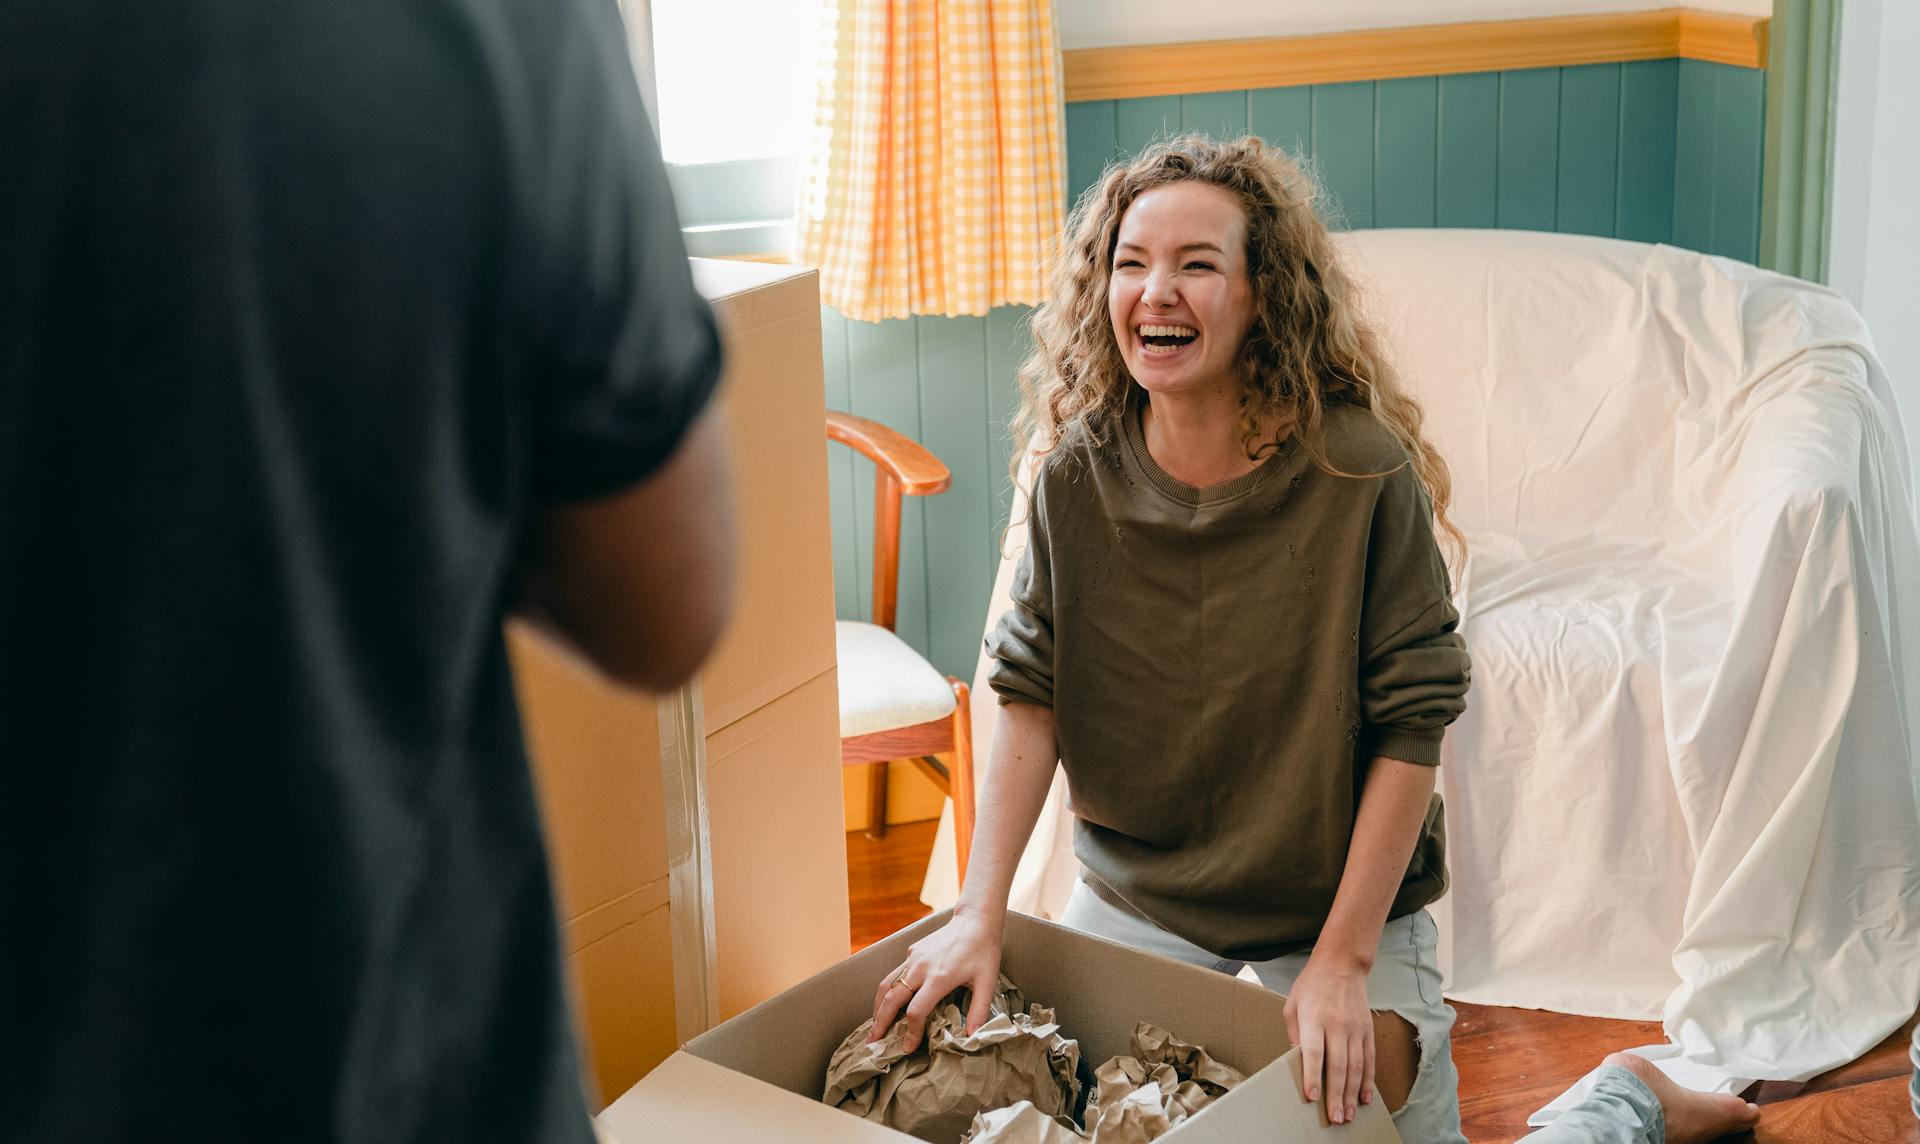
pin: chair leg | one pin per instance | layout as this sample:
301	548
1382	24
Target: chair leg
962	777
876	801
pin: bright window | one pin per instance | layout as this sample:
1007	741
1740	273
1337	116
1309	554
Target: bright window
734	78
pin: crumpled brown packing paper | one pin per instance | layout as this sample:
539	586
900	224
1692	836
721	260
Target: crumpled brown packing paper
1187	1078
935	1091
1022	1124
1140	1097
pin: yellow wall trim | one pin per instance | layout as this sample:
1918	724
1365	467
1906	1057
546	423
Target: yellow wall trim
1394	53
1723	39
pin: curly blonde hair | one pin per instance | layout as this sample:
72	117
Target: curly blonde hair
1308	348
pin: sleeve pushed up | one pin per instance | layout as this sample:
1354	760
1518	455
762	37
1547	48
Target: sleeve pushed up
1414	669
1021	644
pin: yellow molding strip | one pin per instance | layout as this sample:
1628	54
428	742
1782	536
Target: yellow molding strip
1723	39
1394	53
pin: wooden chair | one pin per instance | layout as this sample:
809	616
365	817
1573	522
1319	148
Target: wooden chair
893	703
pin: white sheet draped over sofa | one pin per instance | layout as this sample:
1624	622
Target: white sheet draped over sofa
1685	784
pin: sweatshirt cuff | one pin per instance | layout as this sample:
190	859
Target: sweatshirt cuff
1010	700
1016	685
1421	748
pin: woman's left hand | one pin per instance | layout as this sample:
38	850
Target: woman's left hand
1327	1016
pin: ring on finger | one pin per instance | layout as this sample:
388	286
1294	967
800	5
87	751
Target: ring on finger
900	981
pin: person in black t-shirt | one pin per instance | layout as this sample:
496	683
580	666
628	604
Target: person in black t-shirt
329	334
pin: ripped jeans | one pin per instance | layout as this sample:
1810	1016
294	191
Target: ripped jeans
1405	980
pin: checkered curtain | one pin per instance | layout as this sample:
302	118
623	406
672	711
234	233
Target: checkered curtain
936	174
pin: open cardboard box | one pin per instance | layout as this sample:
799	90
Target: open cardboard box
759	1076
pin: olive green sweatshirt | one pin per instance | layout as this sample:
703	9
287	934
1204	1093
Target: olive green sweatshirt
1223	663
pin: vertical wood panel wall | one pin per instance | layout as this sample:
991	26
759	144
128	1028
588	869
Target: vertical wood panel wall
1656	151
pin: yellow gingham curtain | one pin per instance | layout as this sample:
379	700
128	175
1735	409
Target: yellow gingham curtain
935	179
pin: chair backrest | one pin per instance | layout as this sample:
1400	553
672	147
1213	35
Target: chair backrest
1569	380
902	467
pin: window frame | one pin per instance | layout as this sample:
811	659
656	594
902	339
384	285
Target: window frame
736	208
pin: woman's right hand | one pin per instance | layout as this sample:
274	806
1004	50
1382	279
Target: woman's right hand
965	951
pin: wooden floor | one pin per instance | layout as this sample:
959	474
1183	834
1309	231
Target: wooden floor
1511	1061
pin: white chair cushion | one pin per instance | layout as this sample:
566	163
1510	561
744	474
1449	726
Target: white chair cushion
884	684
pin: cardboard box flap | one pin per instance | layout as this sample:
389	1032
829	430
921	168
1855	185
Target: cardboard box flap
688	1099
1268	1106
1101	989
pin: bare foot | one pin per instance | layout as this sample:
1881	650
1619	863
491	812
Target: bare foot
1692	1117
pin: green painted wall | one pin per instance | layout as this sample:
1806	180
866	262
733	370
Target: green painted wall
1657	151
1721	128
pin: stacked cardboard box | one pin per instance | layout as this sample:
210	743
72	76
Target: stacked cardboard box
767	747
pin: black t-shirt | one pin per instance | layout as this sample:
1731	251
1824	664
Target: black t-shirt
304	309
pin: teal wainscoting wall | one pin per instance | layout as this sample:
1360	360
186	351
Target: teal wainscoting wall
1656	151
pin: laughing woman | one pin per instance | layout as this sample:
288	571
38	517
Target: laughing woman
1232	626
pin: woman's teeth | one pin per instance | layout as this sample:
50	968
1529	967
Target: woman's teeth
1167	336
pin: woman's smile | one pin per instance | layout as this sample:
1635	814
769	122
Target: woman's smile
1165	340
